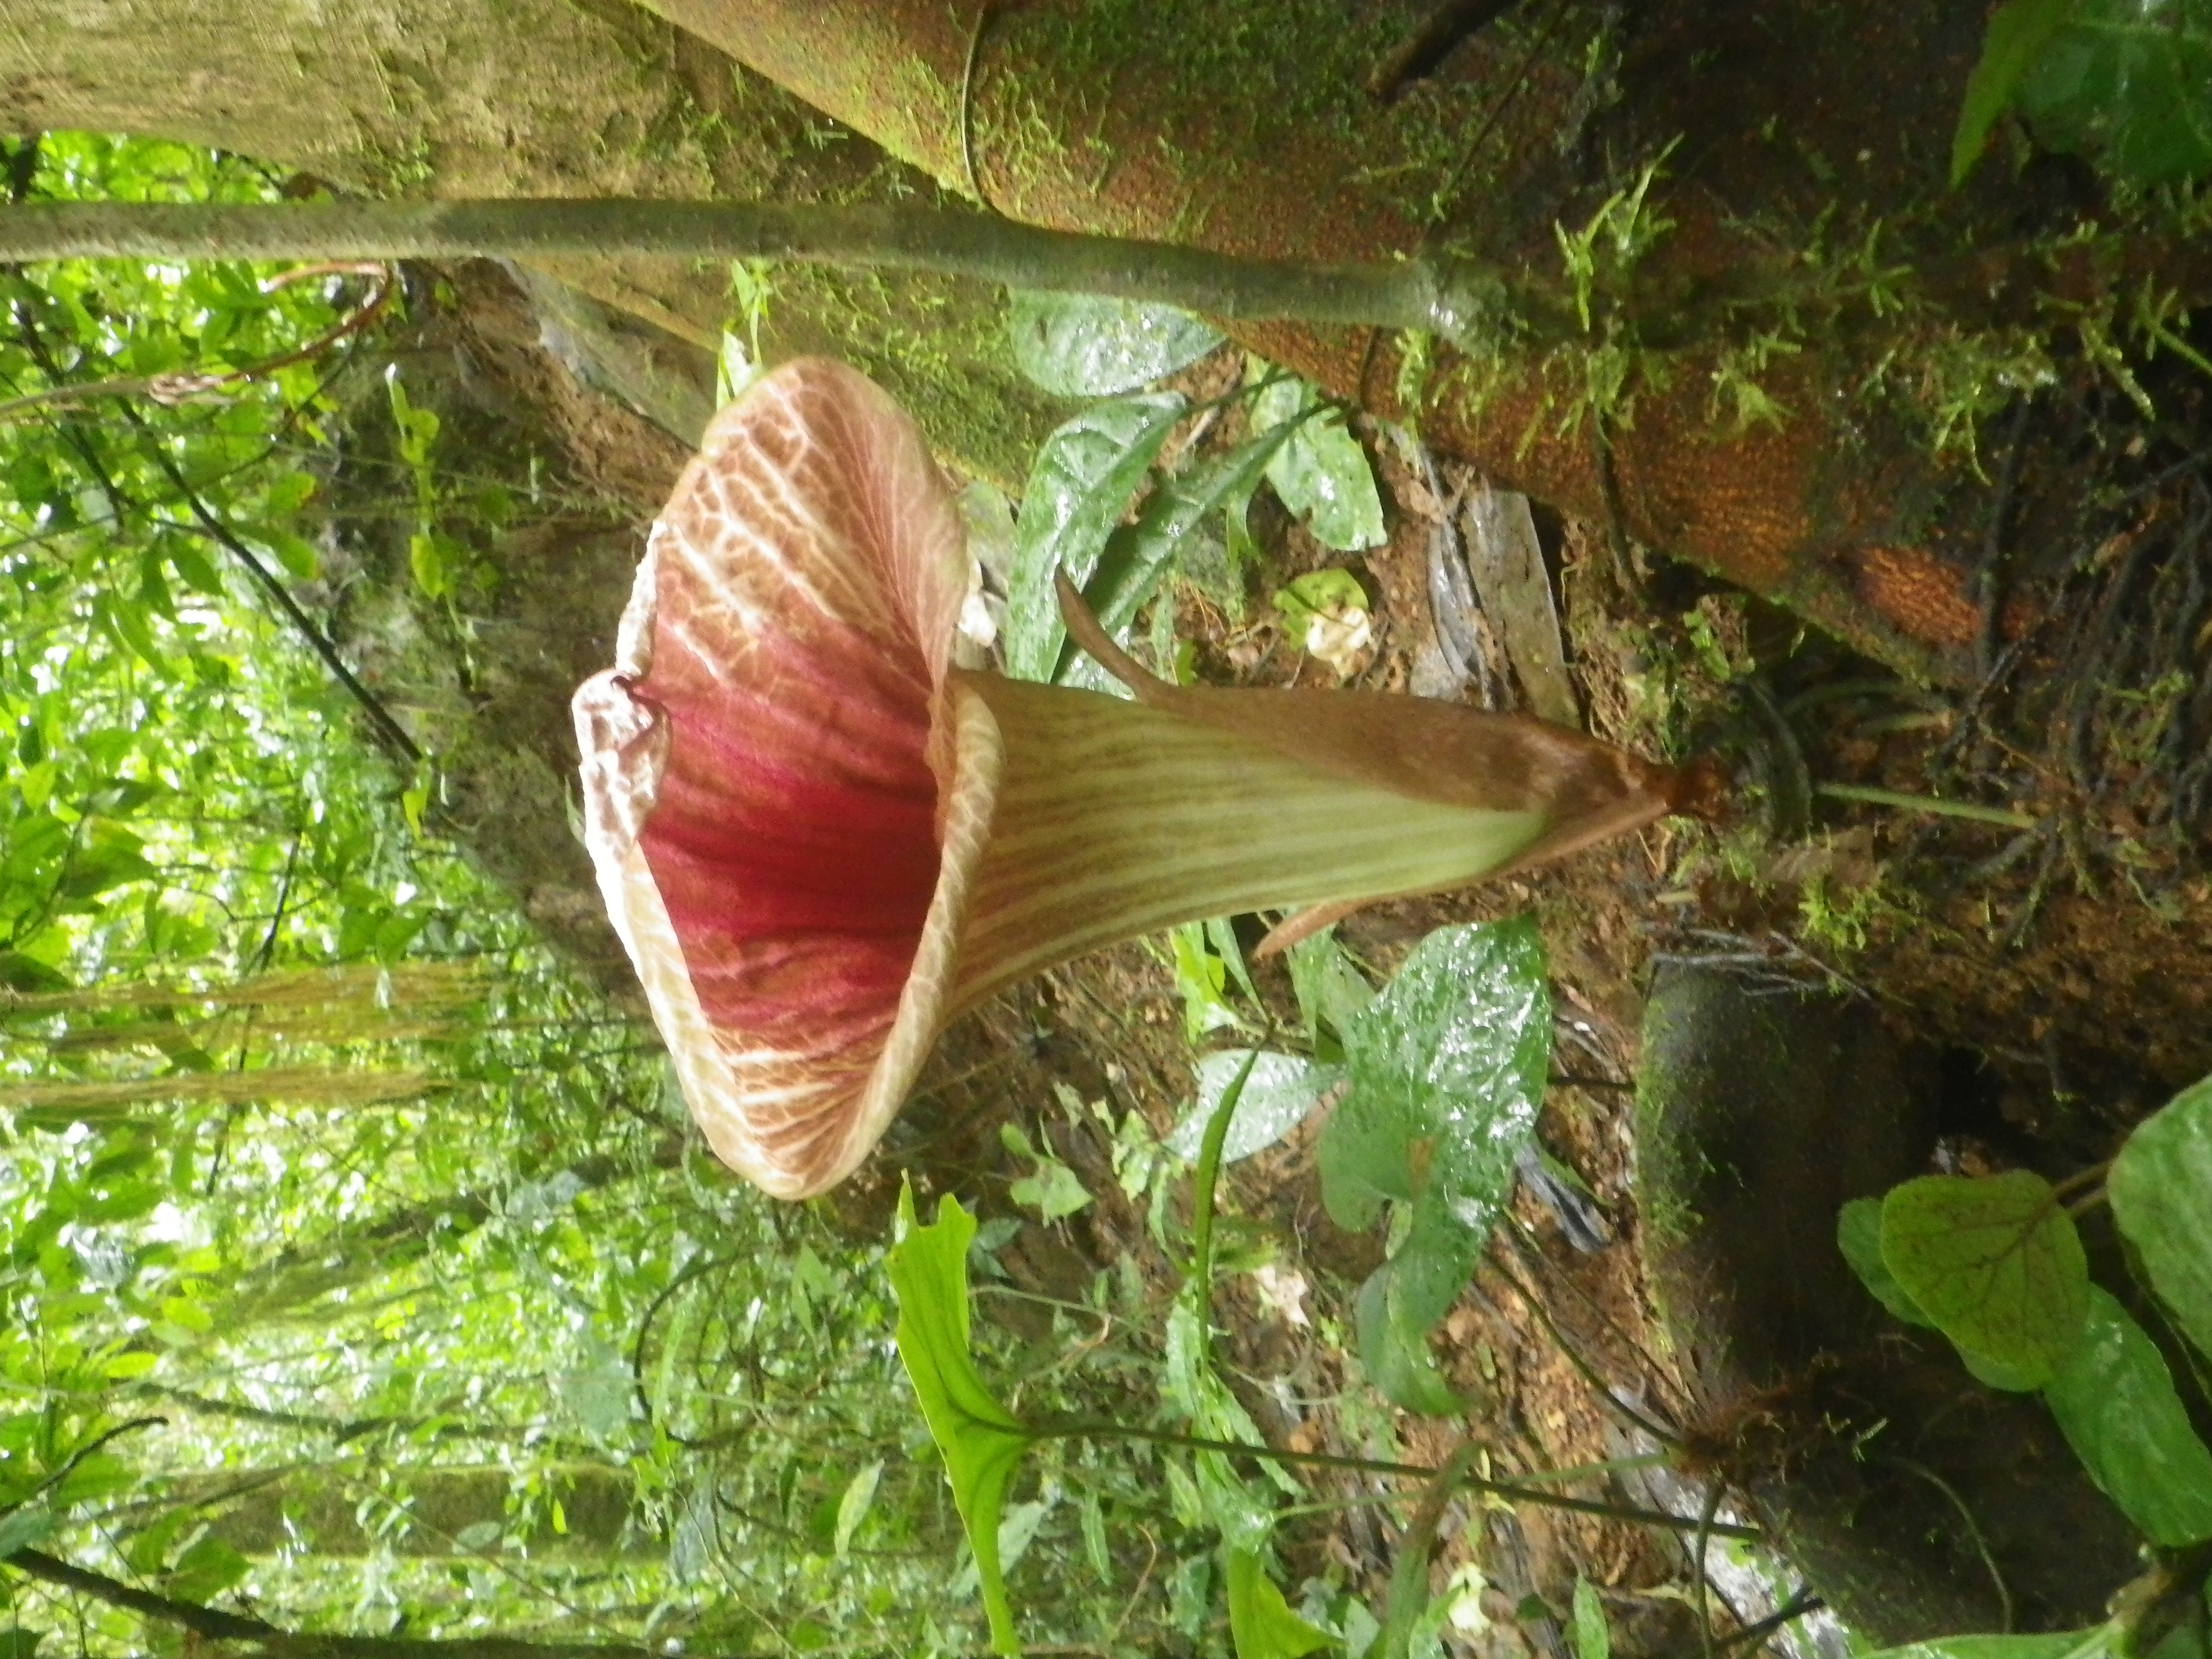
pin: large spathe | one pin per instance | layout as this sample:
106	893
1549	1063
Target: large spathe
821	839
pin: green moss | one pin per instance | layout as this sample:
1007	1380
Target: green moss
938	344
1192	64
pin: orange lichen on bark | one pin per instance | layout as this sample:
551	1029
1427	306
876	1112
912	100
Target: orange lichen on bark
1923	595
1145	148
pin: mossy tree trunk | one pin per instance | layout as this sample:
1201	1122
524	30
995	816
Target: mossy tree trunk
503	98
1247	128
1238	126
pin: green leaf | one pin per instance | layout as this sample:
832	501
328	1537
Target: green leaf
1995	1262
128	621
2017	31
1330	990
20	1643
1082	345
1320	593
1202	976
1077	491
1321	473
2161	1189
2064	1644
426	559
206	1570
24	1528
853	1508
1055	1192
1593	1639
2115	1400
1393	1349
101	1475
2123	81
1447	1070
1996	1374
1281	1089
980	1439
1261	1622
148	1551
1239	1508
111	857
1139	557
1858	1233
294	553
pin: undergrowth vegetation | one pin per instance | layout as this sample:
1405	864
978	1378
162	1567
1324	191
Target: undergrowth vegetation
365	1279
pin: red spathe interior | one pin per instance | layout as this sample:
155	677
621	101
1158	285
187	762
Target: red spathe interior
793	840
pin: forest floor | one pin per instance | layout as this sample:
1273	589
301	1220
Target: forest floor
2062	974
2061	966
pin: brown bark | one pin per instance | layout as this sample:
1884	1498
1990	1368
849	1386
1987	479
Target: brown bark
506	98
215	1625
1247	129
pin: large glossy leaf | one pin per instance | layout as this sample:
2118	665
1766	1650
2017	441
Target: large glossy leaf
1447	1070
1858	1235
980	1439
1086	346
1076	492
1261	1622
1279	1092
2125	81
2161	1189
2017	31
2063	1644
1995	1263
2115	1400
1322	473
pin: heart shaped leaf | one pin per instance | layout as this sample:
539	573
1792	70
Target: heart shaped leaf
1088	345
1995	1263
1261	1622
2161	1189
979	1439
1446	1069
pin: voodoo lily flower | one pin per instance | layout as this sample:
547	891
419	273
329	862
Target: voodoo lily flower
822	838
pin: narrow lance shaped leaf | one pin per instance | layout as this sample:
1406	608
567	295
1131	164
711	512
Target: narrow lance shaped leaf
1082	481
980	1439
1139	557
1593	1637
